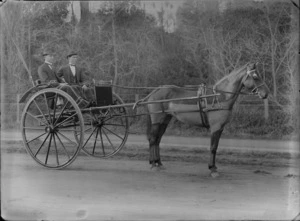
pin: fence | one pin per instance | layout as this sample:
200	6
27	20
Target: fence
12	110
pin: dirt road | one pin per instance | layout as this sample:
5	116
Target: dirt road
124	188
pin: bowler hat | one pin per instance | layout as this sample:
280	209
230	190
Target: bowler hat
71	53
47	52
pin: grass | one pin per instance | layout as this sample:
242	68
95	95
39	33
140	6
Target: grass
245	123
195	155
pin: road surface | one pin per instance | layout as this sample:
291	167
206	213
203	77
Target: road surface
255	186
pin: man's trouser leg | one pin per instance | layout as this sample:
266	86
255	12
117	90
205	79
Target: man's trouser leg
75	92
89	94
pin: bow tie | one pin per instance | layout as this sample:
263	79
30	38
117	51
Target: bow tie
50	65
72	65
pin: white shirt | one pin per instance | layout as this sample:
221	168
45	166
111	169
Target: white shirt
49	64
73	69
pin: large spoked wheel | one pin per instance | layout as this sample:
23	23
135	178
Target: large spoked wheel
106	130
49	121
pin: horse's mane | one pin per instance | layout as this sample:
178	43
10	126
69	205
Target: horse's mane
228	77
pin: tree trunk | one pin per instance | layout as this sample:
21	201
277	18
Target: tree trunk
3	81
2	61
266	101
29	50
294	65
84	14
115	49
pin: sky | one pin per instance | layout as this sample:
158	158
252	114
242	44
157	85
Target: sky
152	7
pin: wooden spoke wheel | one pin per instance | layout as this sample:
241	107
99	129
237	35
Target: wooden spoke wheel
49	121
106	130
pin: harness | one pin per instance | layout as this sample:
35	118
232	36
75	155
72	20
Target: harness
203	105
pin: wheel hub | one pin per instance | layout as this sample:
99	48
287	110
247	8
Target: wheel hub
98	123
51	129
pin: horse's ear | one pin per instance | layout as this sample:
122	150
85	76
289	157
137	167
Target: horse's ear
249	67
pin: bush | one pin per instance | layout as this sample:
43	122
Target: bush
245	122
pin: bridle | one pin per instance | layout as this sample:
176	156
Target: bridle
254	91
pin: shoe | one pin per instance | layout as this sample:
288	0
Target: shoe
59	102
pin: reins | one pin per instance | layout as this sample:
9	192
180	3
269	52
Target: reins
194	87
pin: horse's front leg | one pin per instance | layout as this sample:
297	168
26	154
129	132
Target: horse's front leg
214	142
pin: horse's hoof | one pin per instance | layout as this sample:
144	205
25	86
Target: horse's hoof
154	168
157	167
214	174
161	167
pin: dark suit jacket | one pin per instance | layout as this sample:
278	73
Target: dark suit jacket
82	77
46	74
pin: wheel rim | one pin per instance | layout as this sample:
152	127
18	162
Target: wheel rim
106	131
48	129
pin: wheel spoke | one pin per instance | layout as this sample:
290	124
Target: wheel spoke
63	146
41	146
35	138
41	112
112	116
112	130
54	109
89	137
48	151
63	109
48	107
95	140
67	138
87	129
109	140
108	118
66	120
102	144
66	123
34	128
39	120
118	125
56	152
48	129
117	135
65	130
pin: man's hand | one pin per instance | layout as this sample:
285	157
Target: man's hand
53	83
84	87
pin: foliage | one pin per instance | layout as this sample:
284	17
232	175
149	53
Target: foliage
122	42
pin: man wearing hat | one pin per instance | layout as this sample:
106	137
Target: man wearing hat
75	75
48	76
46	71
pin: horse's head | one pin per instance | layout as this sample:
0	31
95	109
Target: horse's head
254	82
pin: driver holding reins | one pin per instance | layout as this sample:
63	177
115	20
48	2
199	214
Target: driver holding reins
75	75
47	75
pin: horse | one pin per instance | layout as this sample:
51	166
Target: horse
213	112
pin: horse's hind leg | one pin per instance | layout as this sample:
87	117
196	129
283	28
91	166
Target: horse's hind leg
214	142
154	158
